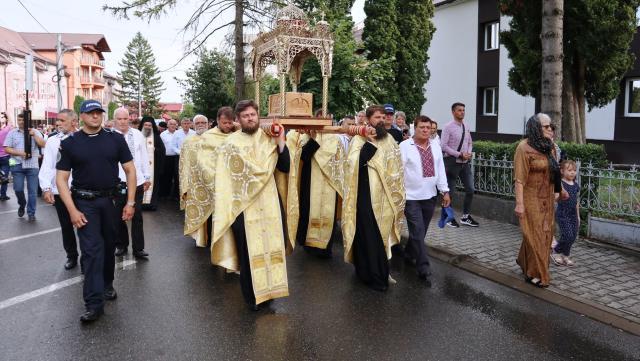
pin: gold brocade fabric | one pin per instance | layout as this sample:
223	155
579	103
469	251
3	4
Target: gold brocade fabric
245	183
149	143
197	172
386	184
327	174
537	224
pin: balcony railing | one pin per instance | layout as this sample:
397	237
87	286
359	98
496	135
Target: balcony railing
85	61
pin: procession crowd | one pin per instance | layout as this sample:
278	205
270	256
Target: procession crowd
252	192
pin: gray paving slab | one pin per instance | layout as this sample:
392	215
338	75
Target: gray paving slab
601	276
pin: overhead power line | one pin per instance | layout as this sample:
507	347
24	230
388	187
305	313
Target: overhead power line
34	18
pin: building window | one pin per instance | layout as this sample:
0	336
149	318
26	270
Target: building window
490	101
492	36
632	96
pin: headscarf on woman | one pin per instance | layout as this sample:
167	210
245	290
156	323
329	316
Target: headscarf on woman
536	139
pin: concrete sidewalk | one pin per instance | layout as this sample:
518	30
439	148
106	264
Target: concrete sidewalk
604	278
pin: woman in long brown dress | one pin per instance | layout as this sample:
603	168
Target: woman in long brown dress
535	171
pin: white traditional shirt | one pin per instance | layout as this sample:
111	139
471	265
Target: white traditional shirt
168	139
140	156
50	156
418	187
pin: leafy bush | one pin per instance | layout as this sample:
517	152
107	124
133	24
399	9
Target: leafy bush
586	153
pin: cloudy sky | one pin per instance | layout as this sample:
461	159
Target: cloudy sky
86	16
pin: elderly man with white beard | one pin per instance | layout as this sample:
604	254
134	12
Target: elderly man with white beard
156	153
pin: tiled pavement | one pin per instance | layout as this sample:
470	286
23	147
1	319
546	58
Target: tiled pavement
601	276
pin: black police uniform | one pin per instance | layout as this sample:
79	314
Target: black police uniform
93	160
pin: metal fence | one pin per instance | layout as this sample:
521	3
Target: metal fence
612	191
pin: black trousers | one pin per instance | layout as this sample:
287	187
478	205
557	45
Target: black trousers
170	181
68	234
462	170
246	284
419	214
137	232
97	244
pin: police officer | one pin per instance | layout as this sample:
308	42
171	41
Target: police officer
93	155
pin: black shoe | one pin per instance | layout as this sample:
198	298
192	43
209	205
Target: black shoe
453	224
110	294
4	198
31	218
91	315
71	263
20	211
468	221
120	252
425	278
140	254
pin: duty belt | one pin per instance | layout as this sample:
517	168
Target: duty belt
88	194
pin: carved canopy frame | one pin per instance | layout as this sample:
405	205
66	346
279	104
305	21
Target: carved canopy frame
288	46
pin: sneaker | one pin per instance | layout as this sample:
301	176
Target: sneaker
468	221
558	259
568	261
453	223
32	218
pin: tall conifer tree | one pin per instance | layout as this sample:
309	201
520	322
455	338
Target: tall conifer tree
140	73
416	31
381	36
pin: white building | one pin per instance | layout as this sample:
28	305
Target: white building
469	65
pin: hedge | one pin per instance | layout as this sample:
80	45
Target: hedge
584	152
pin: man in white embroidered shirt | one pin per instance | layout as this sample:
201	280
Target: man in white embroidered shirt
424	176
67	124
135	141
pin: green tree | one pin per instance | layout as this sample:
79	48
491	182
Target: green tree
355	81
416	32
596	39
77	101
268	85
140	78
189	111
381	36
205	21
111	109
209	84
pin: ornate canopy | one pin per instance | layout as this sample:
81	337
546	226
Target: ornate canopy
289	45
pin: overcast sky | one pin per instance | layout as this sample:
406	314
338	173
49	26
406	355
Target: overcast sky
86	16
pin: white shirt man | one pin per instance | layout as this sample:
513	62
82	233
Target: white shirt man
424	176
182	134
140	156
66	122
168	138
137	145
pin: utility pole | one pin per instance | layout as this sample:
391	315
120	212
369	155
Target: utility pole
59	70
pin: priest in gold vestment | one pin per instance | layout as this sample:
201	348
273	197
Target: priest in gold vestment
197	172
247	203
374	200
316	173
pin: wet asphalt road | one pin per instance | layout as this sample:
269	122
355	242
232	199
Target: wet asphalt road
177	306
